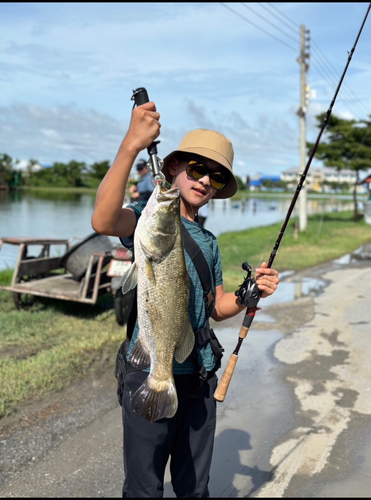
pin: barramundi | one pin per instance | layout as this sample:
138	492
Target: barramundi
165	331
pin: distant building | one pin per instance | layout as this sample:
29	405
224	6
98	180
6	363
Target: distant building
317	179
317	176
256	181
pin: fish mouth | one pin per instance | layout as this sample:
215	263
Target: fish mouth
166	194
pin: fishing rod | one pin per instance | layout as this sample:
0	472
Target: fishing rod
249	293
155	164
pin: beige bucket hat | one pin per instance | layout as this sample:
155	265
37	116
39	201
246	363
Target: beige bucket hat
212	145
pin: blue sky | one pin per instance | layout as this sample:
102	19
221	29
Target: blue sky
67	72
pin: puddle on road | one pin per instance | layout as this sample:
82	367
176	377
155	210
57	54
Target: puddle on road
258	388
293	287
363	253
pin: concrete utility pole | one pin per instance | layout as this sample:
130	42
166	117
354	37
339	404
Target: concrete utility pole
304	101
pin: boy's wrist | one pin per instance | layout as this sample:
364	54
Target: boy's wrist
130	149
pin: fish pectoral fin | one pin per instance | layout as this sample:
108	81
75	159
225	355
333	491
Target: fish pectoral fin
139	355
150	274
185	348
129	279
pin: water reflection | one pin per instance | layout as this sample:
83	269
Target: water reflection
20	196
50	215
230	215
68	215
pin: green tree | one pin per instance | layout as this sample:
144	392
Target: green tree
99	169
240	183
347	145
6	169
59	175
72	172
30	165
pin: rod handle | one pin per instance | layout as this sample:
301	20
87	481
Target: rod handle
221	390
140	96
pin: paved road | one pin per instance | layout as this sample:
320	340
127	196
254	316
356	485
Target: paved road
296	421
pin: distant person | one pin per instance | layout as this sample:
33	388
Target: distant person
143	189
203	212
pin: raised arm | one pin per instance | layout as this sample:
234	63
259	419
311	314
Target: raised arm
108	216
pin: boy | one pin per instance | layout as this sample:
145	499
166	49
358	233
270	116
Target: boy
201	168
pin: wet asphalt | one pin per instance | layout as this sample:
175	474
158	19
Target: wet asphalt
295	423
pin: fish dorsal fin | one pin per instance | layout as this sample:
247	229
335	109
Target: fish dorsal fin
129	279
185	348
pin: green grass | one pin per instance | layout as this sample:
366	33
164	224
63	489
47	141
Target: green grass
327	237
50	345
55	342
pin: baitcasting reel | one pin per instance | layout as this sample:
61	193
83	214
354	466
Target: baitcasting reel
248	293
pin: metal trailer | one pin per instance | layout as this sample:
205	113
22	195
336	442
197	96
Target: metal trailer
79	275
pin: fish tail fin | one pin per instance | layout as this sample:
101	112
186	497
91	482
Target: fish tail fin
139	355
155	399
185	348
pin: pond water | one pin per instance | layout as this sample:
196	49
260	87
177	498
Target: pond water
68	216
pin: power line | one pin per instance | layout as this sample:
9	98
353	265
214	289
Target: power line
327	66
332	83
256	26
284	22
282	14
262	17
323	69
330	66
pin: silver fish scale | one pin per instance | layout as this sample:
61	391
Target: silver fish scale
163	299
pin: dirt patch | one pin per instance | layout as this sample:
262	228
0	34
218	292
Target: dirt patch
288	316
98	379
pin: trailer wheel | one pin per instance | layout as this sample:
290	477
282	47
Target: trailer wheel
120	307
23	300
123	305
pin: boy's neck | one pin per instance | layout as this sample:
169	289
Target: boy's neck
188	211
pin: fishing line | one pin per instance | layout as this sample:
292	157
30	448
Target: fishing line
320	224
248	298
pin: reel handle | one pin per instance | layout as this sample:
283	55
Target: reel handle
140	96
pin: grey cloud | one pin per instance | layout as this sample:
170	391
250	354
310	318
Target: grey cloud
264	136
246	135
61	133
198	114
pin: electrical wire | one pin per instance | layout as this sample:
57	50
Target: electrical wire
295	30
326	67
256	26
282	14
344	97
318	60
328	64
266	20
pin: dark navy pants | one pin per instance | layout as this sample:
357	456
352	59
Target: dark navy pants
187	438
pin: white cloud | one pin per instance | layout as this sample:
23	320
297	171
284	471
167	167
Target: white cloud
67	72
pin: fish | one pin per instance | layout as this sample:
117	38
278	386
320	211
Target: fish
163	286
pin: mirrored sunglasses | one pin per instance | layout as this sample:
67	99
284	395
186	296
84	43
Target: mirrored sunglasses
196	170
